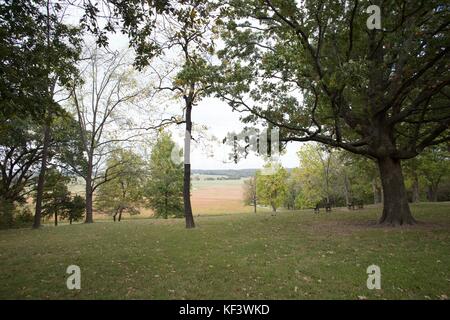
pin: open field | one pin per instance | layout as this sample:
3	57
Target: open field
209	197
218	197
293	255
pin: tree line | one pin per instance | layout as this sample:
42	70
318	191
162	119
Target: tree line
340	179
313	69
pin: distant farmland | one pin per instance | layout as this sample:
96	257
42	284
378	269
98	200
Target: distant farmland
209	197
218	197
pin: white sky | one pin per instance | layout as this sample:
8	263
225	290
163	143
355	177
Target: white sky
220	120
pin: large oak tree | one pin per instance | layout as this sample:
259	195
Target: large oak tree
314	69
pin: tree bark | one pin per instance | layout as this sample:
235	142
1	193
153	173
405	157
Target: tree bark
41	179
89	193
187	169
56	219
395	206
166	214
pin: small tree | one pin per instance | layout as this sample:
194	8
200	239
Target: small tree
250	197
123	193
271	189
55	196
164	190
76	209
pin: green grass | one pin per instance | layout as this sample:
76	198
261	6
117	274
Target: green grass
293	255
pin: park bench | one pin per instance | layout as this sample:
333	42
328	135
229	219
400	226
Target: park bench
316	209
351	206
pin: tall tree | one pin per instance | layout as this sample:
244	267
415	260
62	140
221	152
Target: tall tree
61	48
164	189
38	53
98	102
20	151
188	33
175	28
315	70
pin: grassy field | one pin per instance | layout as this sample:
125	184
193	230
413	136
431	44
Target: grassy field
211	197
293	255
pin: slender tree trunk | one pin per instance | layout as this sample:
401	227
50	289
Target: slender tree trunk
165	205
41	179
187	170
395	207
415	189
377	194
120	214
89	194
255	197
432	192
56	218
347	189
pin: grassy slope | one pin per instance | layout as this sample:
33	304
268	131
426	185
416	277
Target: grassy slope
294	255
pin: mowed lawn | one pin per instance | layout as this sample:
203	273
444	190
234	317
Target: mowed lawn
293	255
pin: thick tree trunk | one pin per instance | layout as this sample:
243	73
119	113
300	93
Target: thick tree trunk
41	179
187	170
89	194
395	207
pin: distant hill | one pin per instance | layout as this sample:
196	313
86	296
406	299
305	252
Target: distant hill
234	173
231	173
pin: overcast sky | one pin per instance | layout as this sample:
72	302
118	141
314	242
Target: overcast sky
220	120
